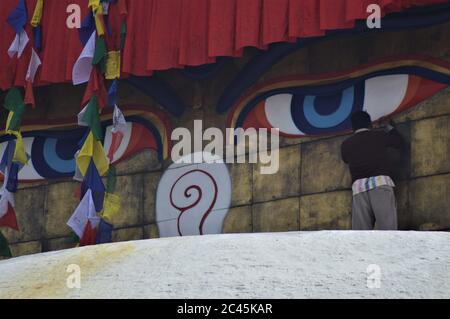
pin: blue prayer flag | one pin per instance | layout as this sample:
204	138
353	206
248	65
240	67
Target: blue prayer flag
86	29
18	17
112	94
104	234
37	35
93	181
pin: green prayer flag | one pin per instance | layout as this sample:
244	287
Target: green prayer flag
14	100
111	180
14	104
4	247
100	54
123	35
15	121
92	118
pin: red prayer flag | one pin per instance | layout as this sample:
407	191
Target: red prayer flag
9	219
89	235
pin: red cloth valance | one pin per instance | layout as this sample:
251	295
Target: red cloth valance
164	34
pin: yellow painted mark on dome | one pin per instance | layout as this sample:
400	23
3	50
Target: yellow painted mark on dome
48	279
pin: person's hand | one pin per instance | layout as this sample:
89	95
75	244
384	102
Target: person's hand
383	121
386	123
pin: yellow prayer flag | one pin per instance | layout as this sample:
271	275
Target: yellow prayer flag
94	5
8	122
99	23
20	155
92	149
111	207
113	65
37	15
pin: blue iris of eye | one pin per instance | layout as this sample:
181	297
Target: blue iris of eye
53	156
54	160
342	112
327	111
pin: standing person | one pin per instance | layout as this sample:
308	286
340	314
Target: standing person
365	152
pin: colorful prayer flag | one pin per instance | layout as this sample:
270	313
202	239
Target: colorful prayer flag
100	54
96	86
14	103
94	182
113	65
104	233
37	37
91	118
111	206
18	17
7	213
17	20
33	66
92	150
83	213
111	180
112	93
18	45
37	15
87	28
12	180
7	157
89	235
20	156
83	66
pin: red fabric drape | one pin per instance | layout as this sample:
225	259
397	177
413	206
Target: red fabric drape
163	49
164	34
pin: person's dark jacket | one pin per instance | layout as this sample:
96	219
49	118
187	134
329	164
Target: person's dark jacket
366	152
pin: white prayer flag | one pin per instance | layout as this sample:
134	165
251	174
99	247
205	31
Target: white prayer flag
83	66
18	45
35	62
6	198
83	213
119	122
80	117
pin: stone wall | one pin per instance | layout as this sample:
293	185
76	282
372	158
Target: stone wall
312	189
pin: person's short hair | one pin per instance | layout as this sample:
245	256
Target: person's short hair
360	120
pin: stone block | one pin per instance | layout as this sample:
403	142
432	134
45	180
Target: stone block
144	161
29	209
151	181
241	183
403	212
326	211
276	216
28	248
430	146
130	189
59	244
437	105
284	183
401	159
61	203
238	220
429	201
151	231
128	234
322	167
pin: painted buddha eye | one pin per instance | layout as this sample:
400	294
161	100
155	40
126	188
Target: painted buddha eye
308	107
52	152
